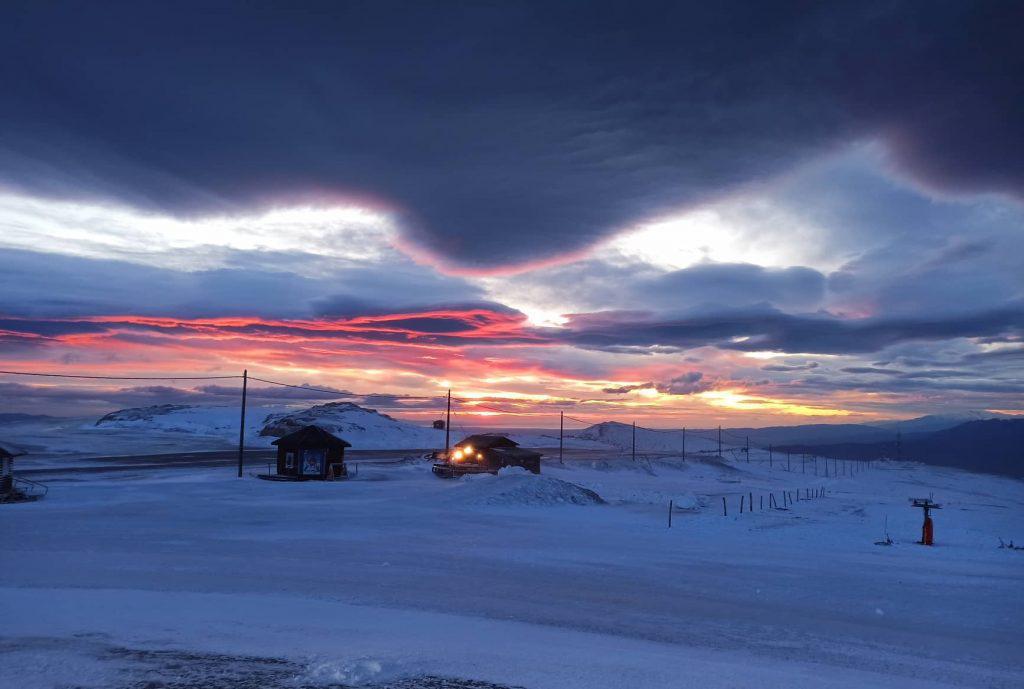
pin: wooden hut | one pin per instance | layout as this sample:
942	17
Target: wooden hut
486	453
20	489
310	453
6	471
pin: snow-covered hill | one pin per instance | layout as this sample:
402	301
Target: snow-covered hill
188	419
620	436
364	428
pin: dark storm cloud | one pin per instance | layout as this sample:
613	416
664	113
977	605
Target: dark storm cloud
144	395
783	368
623	389
53	285
550	123
773	330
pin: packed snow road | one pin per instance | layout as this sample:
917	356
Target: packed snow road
255	461
400	579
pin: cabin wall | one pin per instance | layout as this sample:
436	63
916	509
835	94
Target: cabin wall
304	459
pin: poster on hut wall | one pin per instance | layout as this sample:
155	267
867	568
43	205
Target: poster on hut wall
313	461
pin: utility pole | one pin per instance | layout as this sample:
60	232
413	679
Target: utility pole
747	449
241	429
899	445
719	441
634	441
561	429
769	457
448	424
684	443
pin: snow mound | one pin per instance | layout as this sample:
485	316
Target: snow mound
516	486
364	428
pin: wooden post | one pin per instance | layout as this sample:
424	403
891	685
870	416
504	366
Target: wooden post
670	514
448	426
241	429
750	501
634	441
561	430
719	441
725	509
747	448
762	502
684	442
769	458
742	497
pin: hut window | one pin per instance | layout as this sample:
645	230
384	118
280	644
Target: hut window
289	460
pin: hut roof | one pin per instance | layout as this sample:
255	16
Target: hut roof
311	437
6	453
486	441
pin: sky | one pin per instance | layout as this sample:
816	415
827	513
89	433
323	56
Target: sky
683	214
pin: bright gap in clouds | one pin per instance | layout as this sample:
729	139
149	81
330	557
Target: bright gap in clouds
754	232
117	232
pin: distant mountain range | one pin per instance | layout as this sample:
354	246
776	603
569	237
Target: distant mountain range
877	432
994	446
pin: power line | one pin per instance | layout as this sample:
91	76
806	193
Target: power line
68	375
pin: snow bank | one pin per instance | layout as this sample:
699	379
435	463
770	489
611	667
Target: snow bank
516	486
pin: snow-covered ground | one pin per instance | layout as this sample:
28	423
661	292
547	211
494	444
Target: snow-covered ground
567	579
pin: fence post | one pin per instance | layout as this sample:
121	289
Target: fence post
725	510
561	430
741	503
670	514
241	429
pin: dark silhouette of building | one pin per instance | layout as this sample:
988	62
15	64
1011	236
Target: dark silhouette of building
310	453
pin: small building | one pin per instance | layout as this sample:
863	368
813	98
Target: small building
6	471
439	425
20	489
310	453
486	453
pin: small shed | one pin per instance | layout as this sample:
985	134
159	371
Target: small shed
16	489
310	453
6	471
486	453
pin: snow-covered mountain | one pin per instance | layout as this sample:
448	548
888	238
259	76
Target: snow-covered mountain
364	428
940	422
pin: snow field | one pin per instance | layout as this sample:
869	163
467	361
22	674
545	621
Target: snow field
508	579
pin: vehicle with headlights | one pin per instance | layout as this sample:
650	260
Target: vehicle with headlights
485	453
